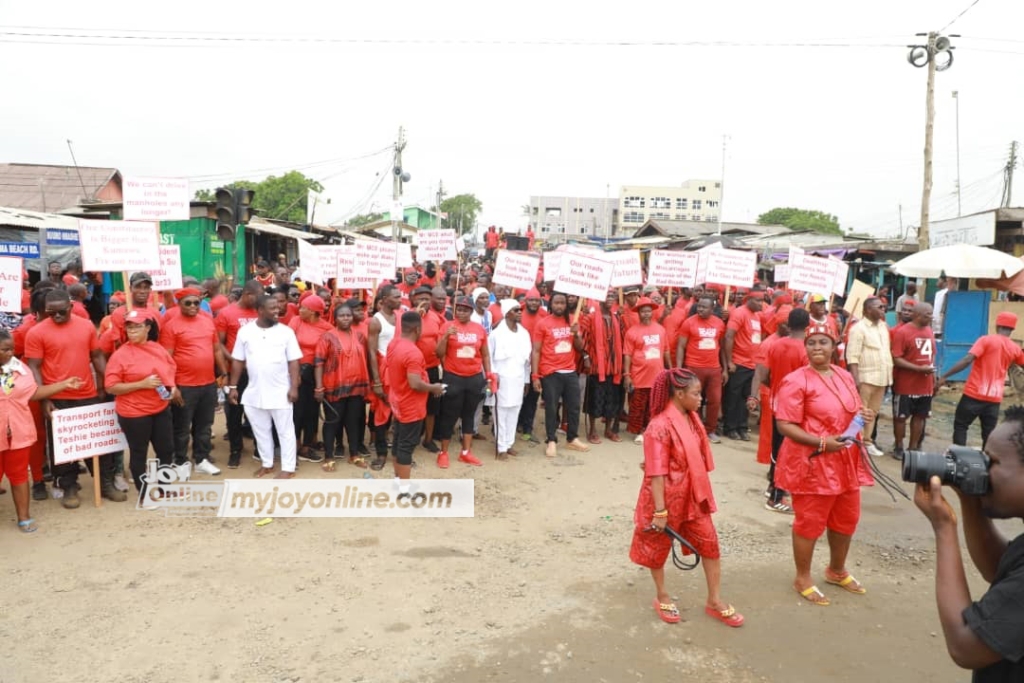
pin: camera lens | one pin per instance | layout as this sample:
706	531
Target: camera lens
919	467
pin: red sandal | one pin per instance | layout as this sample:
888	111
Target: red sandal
728	616
668	611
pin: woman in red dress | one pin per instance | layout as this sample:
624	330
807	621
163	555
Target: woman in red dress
814	406
676	492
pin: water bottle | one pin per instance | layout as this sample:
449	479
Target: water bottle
856	425
163	393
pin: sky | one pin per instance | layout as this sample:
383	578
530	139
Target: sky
819	106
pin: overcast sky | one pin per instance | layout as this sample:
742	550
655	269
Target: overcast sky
839	129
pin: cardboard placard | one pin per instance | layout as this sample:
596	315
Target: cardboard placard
10	283
437	246
552	261
585	277
155	199
859	293
813	274
672	268
168	276
627	269
118	246
516	269
309	263
349	276
86	431
376	260
403	255
731	267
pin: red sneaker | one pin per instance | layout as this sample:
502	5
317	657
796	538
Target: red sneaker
470	459
442	460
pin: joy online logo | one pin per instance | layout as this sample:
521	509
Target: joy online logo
168	487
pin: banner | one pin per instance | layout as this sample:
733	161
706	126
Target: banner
515	269
731	267
672	268
583	276
10	283
168	276
436	246
155	199
86	431
118	246
814	275
328	260
376	260
309	263
403	255
627	267
348	276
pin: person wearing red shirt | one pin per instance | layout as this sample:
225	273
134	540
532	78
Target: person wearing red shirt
408	389
308	328
216	300
290	311
61	346
602	343
906	314
700	350
462	348
742	337
141	288
913	378
644	355
264	275
533	313
673	321
553	373
431	304
191	339
990	358
628	309
760	393
490	242
228	321
530	238
342	380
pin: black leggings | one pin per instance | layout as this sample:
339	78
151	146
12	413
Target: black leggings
459	403
140	432
306	411
351	412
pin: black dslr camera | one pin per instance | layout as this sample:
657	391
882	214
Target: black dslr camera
962	467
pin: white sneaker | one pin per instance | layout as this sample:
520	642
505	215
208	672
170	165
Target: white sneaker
874	451
119	482
184	471
639	440
207	467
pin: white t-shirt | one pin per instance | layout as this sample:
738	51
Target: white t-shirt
266	352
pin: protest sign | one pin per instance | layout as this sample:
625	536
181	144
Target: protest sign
436	246
782	271
348	276
328	260
795	254
10	283
583	276
859	293
842	272
118	246
627	269
515	269
309	263
86	431
552	261
730	267
672	268
375	259
813	274
155	199
702	264
403	255
168	276
460	245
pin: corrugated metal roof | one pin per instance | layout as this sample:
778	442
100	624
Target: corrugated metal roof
258	225
34	220
42	187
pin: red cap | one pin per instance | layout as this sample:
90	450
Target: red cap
313	303
820	329
533	294
118	297
187	292
139	315
1006	319
643	301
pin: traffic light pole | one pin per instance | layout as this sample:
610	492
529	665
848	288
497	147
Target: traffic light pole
396	184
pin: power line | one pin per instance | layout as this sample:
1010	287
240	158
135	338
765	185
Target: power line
957	17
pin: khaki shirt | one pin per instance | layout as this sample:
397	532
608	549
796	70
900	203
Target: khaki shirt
869	349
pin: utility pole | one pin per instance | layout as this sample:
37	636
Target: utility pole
959	208
440	196
396	184
1008	176
721	189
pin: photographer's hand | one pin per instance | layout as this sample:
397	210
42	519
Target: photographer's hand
929	500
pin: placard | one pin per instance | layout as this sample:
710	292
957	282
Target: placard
672	268
155	199
813	274
348	275
552	260
168	276
86	431
328	260
118	246
309	263
583	276
437	246
627	269
702	264
403	255
795	254
782	271
10	283
376	260
731	267
842	272
515	269
859	293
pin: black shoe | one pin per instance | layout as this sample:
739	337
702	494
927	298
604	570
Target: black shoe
431	447
363	450
309	455
897	454
39	491
733	434
234	460
744	436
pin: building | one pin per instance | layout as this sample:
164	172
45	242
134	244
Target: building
694	200
417	217
560	218
47	188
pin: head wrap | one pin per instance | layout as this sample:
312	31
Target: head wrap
187	292
507	305
478	292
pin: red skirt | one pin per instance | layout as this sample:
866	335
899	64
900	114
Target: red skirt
639	411
651	548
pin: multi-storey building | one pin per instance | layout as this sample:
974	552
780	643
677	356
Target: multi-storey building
563	217
694	200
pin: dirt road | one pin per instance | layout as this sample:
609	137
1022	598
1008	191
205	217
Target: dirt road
537	585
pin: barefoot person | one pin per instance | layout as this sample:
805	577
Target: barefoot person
815	404
676	492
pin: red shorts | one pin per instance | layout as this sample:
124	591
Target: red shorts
14	464
651	548
815	513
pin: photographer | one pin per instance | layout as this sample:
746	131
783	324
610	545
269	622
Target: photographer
988	635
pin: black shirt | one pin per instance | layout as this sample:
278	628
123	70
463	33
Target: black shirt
998	618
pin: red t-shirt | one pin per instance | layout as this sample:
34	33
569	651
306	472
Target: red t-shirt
433	323
66	351
463	356
556	348
218	302
747	326
917	345
230	319
703	341
192	342
491	240
530	320
783	357
115	336
672	324
77	308
993	356
405	358
646	346
308	336
19	333
134	362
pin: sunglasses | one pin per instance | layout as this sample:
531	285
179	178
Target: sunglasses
58	311
189	302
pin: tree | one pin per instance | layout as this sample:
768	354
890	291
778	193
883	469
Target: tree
278	197
462	210
801	219
362	219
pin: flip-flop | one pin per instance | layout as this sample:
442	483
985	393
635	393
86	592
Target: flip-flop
328	465
594	439
668	611
27	526
613	437
728	616
846	583
577	445
358	460
807	593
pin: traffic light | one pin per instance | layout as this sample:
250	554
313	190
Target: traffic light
226	221
243	206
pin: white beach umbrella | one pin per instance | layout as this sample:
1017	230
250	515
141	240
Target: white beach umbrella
959	260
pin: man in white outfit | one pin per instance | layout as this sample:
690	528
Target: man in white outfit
510	348
270	352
